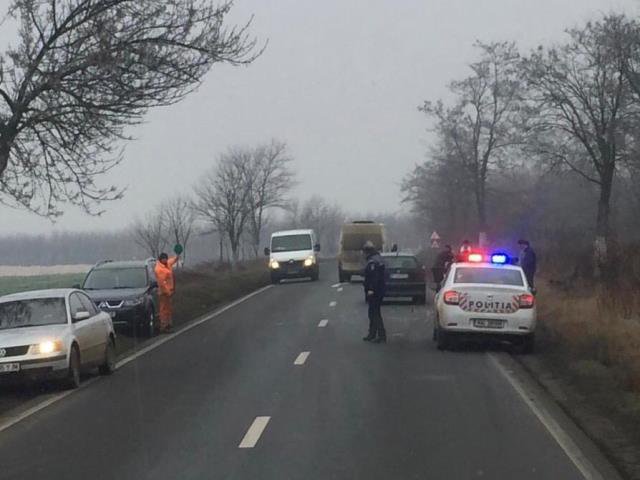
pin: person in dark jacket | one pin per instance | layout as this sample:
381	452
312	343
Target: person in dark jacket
528	261
444	258
374	287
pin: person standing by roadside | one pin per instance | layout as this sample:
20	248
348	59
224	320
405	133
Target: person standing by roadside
166	289
374	287
444	258
528	261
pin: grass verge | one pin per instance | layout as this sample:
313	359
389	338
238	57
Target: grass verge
21	284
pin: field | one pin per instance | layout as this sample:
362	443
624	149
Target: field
37	282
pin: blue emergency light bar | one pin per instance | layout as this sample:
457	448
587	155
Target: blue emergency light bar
500	258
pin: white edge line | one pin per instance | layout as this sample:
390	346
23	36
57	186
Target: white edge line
323	323
50	401
254	432
567	444
302	358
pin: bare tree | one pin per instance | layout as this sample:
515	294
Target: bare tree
325	219
222	197
84	70
269	178
179	221
582	110
481	124
149	232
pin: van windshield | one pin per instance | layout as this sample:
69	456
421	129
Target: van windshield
291	243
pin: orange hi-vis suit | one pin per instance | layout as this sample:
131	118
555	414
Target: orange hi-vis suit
166	287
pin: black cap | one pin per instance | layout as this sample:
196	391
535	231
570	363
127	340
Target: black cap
163	256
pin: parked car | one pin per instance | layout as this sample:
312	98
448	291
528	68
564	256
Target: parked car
54	333
405	276
485	297
293	254
127	291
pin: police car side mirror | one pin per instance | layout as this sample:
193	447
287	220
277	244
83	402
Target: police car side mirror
267	252
153	285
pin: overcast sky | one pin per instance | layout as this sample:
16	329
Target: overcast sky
340	82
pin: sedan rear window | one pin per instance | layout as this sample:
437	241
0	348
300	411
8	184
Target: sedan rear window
401	262
495	276
33	313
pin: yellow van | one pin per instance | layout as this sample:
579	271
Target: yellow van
353	236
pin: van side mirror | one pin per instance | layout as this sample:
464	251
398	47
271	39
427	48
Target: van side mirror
316	247
267	252
394	249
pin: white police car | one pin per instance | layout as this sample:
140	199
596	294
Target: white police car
485	296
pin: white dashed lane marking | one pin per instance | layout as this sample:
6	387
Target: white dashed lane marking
255	431
333	304
323	323
302	358
336	285
339	289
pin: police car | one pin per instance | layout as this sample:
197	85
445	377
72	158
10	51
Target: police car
485	296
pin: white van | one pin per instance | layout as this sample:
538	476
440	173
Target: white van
293	254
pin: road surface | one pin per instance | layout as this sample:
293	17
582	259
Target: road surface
281	386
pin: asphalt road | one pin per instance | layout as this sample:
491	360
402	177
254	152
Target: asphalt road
350	410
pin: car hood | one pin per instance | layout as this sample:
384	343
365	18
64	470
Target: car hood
15	337
295	255
115	293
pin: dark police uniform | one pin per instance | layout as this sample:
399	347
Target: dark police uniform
374	280
528	262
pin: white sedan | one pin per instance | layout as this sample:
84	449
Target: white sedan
485	298
54	333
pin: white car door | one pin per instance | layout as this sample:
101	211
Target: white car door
99	328
84	329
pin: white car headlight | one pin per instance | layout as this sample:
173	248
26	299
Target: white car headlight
274	264
309	261
47	347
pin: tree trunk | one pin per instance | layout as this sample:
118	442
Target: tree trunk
5	152
482	215
602	253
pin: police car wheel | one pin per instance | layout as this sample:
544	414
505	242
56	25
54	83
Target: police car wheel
443	339
528	344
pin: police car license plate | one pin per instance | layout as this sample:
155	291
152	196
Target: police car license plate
399	276
9	367
488	323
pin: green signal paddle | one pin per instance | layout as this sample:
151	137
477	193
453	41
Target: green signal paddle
178	249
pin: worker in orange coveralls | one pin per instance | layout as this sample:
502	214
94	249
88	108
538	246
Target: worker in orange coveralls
166	289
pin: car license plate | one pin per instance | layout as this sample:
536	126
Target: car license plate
9	367
488	323
399	276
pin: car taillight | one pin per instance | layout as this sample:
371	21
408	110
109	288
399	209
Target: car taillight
451	297
527	300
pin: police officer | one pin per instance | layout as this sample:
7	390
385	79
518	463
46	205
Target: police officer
528	261
374	287
444	258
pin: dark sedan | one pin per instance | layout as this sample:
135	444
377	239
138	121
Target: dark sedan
405	276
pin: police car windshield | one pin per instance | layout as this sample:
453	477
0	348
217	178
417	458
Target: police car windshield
113	278
33	313
291	243
495	276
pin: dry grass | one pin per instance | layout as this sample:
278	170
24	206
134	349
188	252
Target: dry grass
598	325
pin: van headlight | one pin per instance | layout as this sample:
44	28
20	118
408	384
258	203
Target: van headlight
45	348
274	264
309	261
